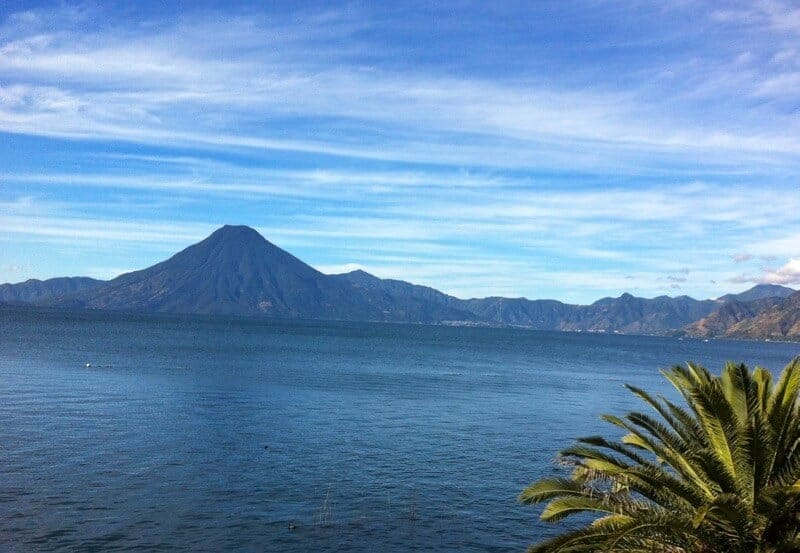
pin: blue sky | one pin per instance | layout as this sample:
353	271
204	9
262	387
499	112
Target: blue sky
568	150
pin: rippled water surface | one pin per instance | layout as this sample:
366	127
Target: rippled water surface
195	434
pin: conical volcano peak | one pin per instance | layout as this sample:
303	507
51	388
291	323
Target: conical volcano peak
235	270
239	239
236	232
242	249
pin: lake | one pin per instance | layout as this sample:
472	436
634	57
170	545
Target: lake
200	434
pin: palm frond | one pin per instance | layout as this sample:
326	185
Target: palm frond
721	473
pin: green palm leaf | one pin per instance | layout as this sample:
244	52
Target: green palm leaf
720	474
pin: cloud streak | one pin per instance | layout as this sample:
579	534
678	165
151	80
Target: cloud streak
549	163
159	83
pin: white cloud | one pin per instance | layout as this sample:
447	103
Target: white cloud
165	84
658	168
69	229
787	274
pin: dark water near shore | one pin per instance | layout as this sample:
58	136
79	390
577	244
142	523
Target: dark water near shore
205	435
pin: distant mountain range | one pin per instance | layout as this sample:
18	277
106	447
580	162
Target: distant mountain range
760	292
771	318
236	271
41	291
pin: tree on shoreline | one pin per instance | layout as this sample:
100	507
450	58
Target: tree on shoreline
720	474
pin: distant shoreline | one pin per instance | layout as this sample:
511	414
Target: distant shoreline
216	317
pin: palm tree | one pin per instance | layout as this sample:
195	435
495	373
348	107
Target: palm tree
721	474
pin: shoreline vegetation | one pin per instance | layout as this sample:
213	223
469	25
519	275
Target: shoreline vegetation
235	271
720	473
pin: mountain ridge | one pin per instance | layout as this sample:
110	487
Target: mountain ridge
758	292
34	290
235	270
775	318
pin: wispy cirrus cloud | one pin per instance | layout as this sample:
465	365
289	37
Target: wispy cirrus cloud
546	163
498	227
768	15
234	81
71	229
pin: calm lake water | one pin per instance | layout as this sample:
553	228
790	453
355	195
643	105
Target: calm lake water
204	435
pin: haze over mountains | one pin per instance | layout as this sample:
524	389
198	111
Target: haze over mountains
235	271
38	291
